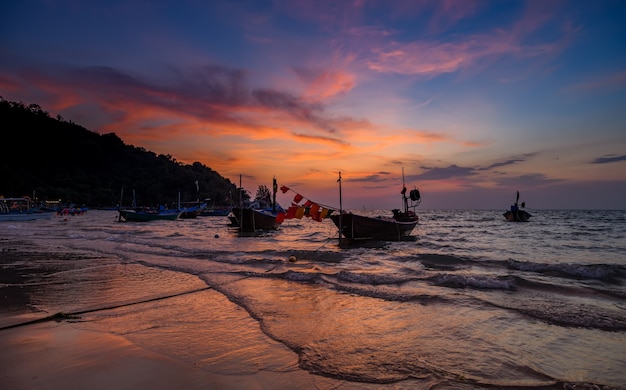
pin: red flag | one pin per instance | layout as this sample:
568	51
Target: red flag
280	217
291	212
298	198
284	189
314	212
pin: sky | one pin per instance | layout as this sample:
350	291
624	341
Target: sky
472	100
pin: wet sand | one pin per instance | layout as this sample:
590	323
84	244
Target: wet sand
56	355
53	351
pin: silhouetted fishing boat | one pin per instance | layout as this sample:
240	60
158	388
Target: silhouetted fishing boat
354	227
515	214
261	214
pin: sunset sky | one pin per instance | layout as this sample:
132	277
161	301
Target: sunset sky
474	99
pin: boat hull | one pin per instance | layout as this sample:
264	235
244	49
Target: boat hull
250	220
517	216
134	216
17	217
357	227
193	211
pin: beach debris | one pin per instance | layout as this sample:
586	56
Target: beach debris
64	317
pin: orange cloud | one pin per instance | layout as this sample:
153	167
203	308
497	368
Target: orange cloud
323	84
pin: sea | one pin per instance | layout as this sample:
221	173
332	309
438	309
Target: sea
470	301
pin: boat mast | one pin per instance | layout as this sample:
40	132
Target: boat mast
340	209
274	189
119	219
404	198
240	204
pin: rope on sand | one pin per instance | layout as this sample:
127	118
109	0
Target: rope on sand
61	316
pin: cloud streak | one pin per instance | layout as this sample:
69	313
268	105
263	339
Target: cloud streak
611	158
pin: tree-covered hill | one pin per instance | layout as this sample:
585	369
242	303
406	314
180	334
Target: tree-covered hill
56	159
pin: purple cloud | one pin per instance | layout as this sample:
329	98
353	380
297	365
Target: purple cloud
610	158
444	173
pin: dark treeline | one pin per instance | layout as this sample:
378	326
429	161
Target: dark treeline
56	159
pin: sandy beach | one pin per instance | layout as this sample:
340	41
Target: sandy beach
56	355
42	350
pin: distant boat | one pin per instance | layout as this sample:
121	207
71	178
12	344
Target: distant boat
515	214
19	209
355	227
193	211
149	215
136	214
261	214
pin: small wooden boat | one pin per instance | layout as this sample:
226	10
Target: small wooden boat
19	209
261	214
253	219
515	214
355	227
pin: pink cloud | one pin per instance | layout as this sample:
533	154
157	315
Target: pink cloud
325	83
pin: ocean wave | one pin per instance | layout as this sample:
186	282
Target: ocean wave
571	314
604	272
474	281
369	279
437	261
380	292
